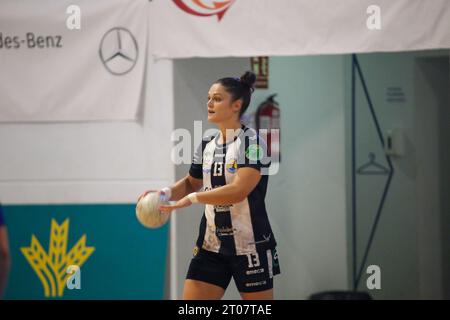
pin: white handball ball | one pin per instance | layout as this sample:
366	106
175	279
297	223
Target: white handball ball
147	211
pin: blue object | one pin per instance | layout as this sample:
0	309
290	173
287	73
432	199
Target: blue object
2	218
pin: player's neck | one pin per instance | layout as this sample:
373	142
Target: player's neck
223	127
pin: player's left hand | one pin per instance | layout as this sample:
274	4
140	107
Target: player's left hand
182	203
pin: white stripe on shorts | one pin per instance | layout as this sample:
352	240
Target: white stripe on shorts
269	262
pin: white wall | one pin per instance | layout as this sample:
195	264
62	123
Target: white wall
407	239
395	242
306	199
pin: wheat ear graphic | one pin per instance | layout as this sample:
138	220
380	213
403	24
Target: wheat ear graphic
51	268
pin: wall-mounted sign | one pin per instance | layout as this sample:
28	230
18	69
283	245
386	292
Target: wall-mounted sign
395	95
260	66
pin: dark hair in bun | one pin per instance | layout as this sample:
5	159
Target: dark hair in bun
240	88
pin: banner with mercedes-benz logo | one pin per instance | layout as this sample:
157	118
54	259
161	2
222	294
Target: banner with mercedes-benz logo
51	71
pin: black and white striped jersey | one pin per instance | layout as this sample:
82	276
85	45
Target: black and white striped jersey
243	227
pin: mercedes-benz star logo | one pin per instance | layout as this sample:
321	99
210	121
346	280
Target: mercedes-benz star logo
118	51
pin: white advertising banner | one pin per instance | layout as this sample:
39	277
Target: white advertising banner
71	60
213	28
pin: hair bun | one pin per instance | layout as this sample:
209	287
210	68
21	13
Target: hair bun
249	78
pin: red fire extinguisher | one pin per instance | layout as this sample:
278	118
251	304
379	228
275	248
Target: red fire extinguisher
268	117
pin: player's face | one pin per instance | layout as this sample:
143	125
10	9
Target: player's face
221	107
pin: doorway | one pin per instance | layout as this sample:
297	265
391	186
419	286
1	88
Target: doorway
432	129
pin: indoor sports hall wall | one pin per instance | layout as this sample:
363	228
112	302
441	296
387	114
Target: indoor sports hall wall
91	174
408	91
305	200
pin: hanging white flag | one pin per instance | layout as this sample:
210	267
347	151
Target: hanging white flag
214	28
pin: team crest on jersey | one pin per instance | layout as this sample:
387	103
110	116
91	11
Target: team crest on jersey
254	152
232	166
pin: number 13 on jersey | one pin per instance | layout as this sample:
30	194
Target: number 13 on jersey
218	169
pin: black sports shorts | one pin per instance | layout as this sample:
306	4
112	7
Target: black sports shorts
251	272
